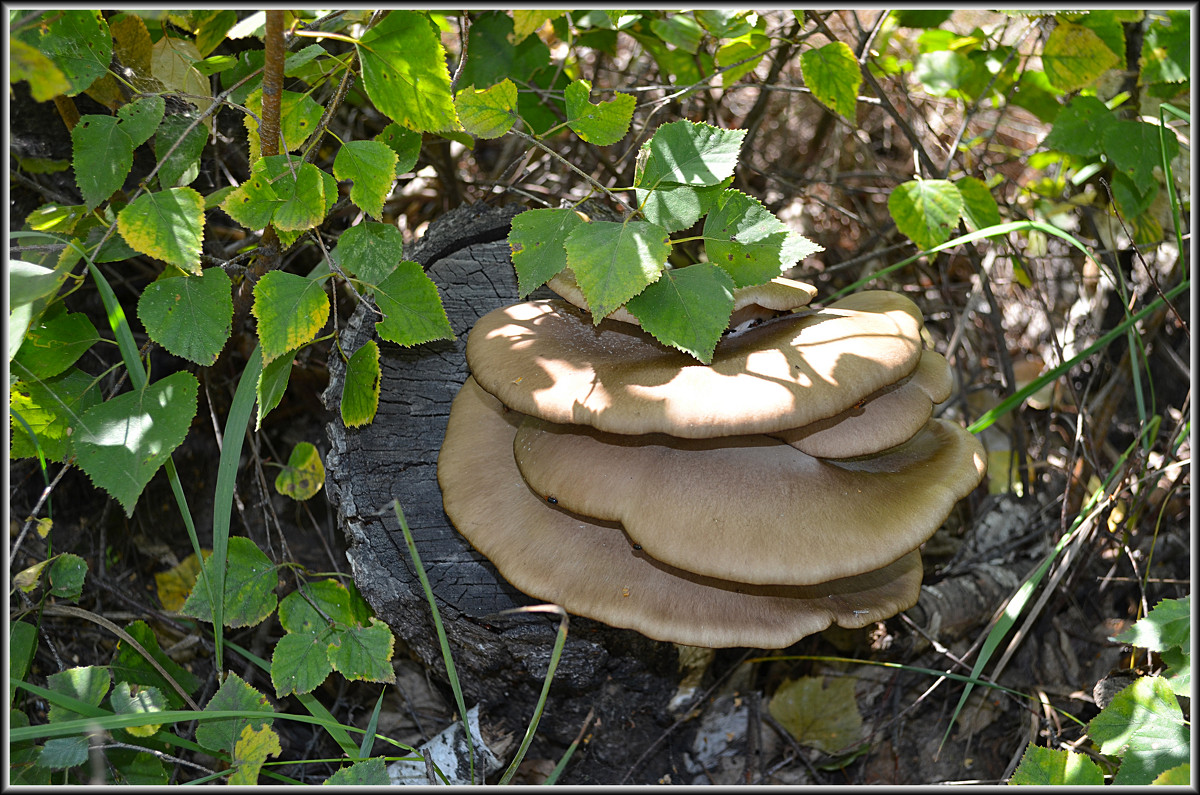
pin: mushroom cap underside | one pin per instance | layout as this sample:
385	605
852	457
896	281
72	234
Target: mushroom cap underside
547	359
593	569
884	419
753	508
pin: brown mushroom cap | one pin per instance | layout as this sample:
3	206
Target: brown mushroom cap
752	508
546	358
887	418
593	570
755	301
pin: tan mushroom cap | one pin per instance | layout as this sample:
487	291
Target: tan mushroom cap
545	358
777	295
752	508
887	418
593	570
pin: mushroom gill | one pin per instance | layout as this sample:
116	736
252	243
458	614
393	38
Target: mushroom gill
783	488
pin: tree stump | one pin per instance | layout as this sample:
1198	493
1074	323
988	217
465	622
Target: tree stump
624	678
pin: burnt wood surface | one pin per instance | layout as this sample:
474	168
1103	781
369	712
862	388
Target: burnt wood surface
625	678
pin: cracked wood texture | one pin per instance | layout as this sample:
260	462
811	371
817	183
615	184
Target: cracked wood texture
624	677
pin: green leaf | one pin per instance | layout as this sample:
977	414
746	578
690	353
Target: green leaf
834	76
130	667
1080	127
88	684
750	47
272	384
1106	24
412	309
290	310
67	574
816	715
54	342
360	394
77	41
926	211
723	23
250	581
601	124
1179	669
144	701
167	225
942	71
51	407
537	239
22	645
300	663
370	251
405	143
920	18
372	166
687	308
489	113
1056	767
405	74
678	30
1132	199
233	694
746	240
492	55
190	316
303	475
253	203
122	442
364	653
27	281
1075	56
1178	776
321	603
676	207
299	115
303	200
979	205
102	158
182	166
1168	624
615	261
1143	724
689	153
1034	93
140	118
370	772
60	753
1134	148
1166	50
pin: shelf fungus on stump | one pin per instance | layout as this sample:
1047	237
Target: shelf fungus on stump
783	488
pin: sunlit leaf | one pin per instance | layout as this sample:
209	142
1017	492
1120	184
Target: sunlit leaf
405	74
372	167
290	310
689	153
1167	624
52	408
979	205
167	225
1074	56
926	211
538	239
1145	726
599	124
489	113
412	308
1056	767
676	207
746	240
834	75
615	261
123	441
687	308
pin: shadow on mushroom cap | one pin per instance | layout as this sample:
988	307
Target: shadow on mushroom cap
546	358
592	570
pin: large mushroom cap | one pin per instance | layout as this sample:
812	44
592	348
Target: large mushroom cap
546	358
753	508
889	417
593	570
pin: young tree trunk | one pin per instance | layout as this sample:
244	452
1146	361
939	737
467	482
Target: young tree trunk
624	678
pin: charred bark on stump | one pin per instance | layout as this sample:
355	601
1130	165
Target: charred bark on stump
623	676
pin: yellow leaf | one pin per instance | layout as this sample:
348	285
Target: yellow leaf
820	716
44	525
27	580
171	62
252	749
175	584
526	22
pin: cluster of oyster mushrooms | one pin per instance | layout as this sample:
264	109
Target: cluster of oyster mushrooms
783	488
